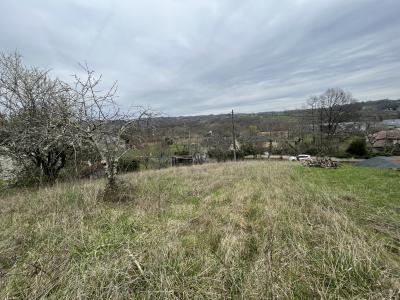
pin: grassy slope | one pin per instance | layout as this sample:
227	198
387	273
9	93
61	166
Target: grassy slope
248	230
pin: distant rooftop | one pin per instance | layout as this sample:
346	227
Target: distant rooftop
392	122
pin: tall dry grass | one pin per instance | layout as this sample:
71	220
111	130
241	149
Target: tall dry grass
251	230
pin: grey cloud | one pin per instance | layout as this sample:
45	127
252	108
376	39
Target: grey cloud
207	56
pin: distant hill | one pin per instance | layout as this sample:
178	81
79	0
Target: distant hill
370	111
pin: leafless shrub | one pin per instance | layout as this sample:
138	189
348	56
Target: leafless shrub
45	121
36	115
100	122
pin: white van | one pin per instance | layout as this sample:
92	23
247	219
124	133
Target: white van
301	157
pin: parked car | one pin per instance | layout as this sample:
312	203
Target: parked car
292	158
302	157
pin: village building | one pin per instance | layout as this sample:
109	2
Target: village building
391	123
384	139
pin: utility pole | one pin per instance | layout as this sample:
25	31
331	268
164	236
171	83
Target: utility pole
313	123
320	131
234	138
270	142
190	144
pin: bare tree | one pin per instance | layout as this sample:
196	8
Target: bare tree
330	109
334	104
45	120
36	112
101	122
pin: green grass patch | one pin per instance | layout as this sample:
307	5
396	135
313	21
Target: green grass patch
250	230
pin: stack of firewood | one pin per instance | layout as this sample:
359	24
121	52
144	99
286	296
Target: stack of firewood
321	163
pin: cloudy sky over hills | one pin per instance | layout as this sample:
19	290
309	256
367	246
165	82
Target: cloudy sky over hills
186	57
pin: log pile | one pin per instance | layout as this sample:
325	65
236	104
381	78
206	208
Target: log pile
321	163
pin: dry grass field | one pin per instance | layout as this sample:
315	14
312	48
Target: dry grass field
250	230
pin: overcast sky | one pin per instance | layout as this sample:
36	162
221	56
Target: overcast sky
191	57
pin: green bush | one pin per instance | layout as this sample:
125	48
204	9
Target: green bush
128	165
358	148
249	149
181	152
224	155
311	151
396	149
376	154
343	154
28	175
179	149
218	154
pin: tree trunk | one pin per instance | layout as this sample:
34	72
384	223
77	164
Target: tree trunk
110	169
50	165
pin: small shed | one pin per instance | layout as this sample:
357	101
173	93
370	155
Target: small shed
182	160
